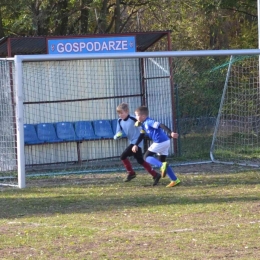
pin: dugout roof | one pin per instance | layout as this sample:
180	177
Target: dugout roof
10	46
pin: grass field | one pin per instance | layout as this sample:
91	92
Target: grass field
213	214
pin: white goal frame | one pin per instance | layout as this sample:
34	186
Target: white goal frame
20	59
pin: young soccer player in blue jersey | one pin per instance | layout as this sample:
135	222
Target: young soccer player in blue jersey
126	123
160	145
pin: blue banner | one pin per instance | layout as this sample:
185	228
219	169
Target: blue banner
91	45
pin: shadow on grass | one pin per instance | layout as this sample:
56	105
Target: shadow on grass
111	194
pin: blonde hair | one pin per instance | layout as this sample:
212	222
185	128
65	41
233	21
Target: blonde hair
142	110
122	107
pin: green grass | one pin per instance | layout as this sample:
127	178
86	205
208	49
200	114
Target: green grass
235	147
213	214
195	146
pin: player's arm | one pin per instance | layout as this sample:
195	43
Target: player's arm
118	135
169	132
137	123
138	141
119	132
140	138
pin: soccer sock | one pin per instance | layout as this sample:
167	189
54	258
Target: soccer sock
153	161
128	166
148	167
171	174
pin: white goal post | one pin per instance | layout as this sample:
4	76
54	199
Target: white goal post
64	90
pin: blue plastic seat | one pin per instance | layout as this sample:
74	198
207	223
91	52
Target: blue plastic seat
84	130
46	133
114	125
30	135
66	132
103	128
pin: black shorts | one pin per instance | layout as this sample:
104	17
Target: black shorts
128	152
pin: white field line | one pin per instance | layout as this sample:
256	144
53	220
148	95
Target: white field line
24	224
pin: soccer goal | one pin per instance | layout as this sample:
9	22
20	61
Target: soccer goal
58	112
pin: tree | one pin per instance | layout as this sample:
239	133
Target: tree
61	17
195	24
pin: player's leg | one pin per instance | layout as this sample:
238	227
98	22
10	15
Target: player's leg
162	149
139	158
170	172
149	157
127	164
162	158
156	148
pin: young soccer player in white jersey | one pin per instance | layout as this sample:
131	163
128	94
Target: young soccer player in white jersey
126	123
160	145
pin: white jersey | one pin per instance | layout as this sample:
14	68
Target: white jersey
128	126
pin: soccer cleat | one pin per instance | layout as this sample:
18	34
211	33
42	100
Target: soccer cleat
163	169
156	179
129	177
173	183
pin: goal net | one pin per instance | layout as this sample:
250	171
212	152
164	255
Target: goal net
58	113
8	143
236	137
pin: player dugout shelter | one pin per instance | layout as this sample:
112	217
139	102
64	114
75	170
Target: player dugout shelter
11	46
82	90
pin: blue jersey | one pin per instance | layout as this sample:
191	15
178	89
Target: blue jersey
128	126
154	131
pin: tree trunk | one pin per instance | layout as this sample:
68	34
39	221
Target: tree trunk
62	21
102	21
2	34
117	17
84	16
